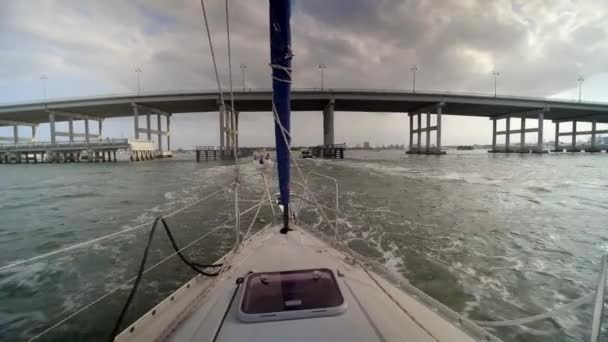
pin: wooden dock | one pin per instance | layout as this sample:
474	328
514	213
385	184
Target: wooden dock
334	151
213	153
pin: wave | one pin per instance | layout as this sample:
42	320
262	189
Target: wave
417	173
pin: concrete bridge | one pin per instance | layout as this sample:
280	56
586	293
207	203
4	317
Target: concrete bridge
431	105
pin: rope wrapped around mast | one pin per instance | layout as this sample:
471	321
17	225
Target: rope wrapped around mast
280	61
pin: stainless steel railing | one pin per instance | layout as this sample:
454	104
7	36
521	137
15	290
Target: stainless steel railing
598	305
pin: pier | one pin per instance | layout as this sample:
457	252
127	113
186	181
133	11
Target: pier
333	151
213	153
63	152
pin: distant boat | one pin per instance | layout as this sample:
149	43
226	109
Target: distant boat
306	153
465	147
262	160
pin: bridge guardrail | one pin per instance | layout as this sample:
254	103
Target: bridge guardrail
328	90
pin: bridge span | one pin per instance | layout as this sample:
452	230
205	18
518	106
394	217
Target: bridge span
430	105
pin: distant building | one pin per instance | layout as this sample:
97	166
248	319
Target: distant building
366	144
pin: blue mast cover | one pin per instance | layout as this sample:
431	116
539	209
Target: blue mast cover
280	60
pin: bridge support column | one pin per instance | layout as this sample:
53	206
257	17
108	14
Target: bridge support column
541	125
426	130
16	134
169	133
99	128
594	137
160	135
493	135
556	148
573	146
419	133
52	127
86	131
522	138
438	137
222	128
236	129
411	133
135	121
508	135
148	127
71	130
328	123
34	133
232	129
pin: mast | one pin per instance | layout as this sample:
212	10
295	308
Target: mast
280	61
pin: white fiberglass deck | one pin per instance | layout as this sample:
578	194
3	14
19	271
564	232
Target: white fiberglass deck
196	310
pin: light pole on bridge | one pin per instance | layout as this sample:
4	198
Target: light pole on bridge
243	67
580	80
322	67
413	70
495	74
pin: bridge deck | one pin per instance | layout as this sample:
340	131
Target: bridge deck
309	100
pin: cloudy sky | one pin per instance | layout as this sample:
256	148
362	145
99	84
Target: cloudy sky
539	47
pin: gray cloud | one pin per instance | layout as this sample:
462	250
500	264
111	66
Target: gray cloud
538	46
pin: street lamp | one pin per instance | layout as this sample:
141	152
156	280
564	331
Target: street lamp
243	67
413	70
495	74
43	78
138	71
580	80
322	67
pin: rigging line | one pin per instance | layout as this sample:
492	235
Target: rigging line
305	182
232	109
549	314
101	238
217	75
82	244
142	268
122	285
254	218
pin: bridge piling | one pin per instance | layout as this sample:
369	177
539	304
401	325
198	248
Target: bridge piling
419	130
573	147
523	148
222	128
328	123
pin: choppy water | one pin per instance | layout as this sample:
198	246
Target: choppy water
492	236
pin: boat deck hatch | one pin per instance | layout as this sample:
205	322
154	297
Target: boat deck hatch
290	295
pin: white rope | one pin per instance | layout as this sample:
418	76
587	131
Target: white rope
284	68
254	218
525	320
82	244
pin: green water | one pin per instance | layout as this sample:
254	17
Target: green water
491	236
